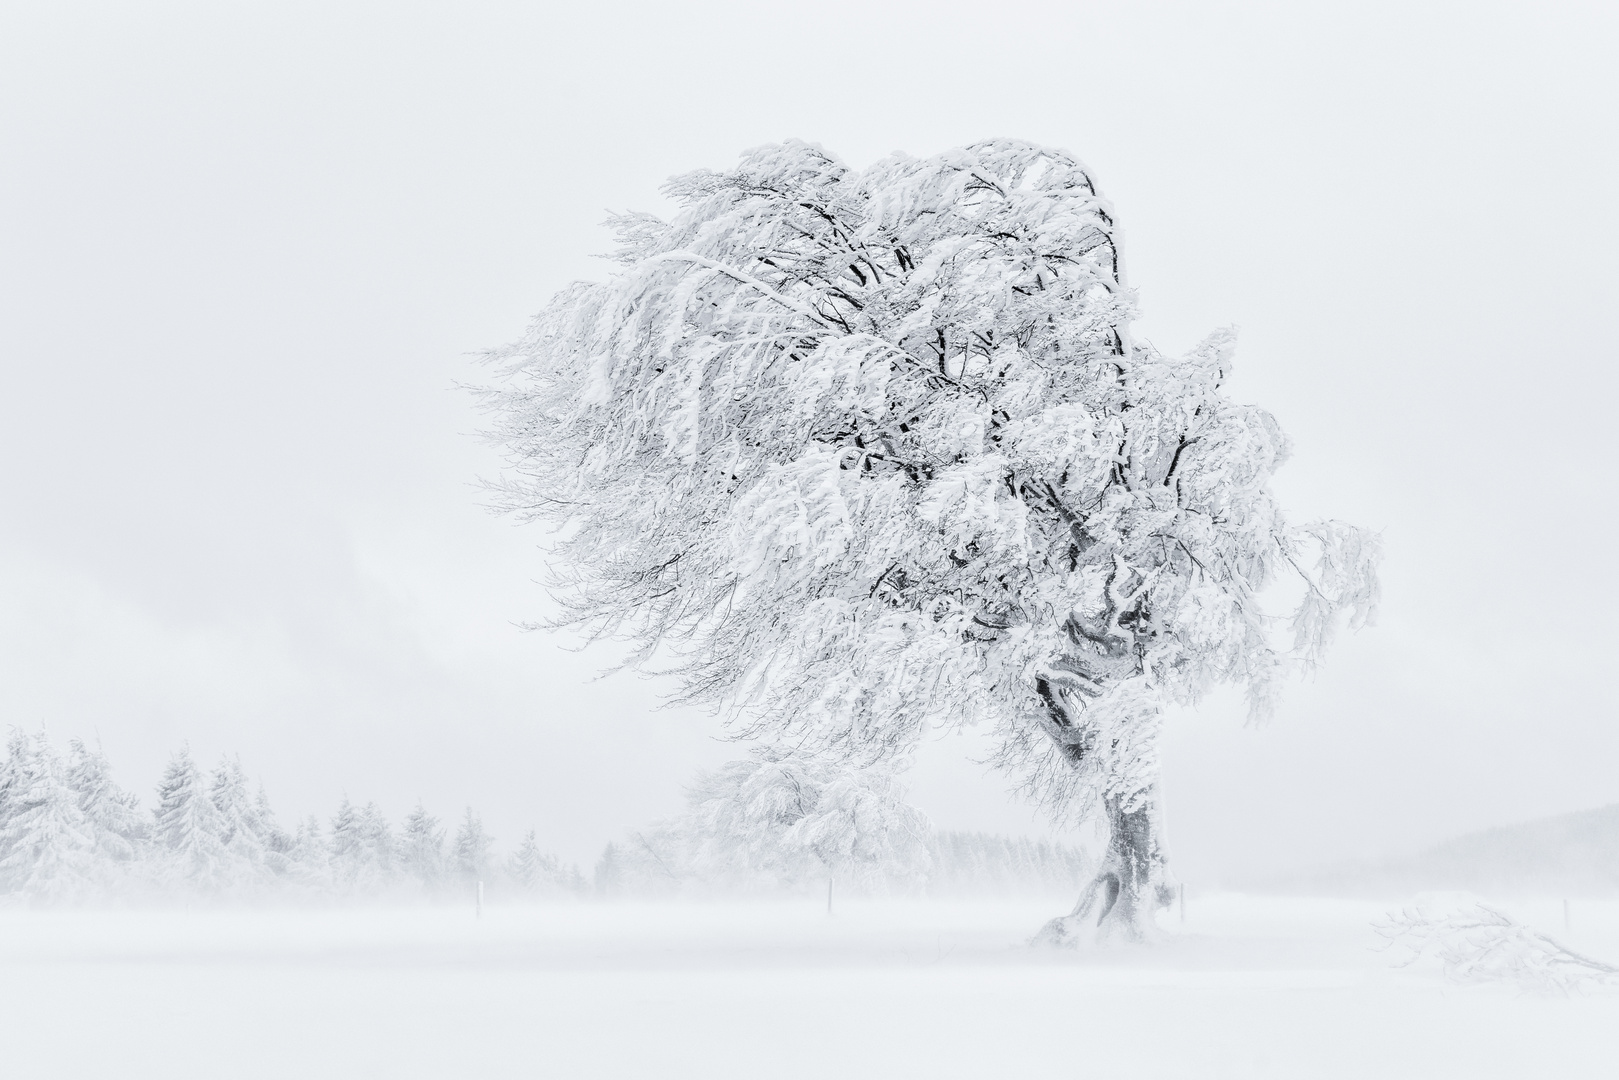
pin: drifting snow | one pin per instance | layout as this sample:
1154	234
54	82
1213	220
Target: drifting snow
1246	987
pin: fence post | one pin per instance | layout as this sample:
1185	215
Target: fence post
480	900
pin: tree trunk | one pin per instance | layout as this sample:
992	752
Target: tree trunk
1130	886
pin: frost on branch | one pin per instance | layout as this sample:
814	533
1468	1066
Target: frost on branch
1478	944
861	453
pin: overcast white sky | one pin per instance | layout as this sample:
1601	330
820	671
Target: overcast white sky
246	250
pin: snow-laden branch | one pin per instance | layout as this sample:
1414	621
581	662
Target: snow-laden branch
1480	944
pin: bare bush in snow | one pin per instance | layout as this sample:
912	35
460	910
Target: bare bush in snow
1479	944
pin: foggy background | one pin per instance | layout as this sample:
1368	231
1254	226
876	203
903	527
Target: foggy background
247	253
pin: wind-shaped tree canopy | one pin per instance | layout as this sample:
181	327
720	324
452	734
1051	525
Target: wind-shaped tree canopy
864	452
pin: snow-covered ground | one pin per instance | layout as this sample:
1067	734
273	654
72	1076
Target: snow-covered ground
1249	986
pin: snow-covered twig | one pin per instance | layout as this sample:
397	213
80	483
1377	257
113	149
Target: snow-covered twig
1478	944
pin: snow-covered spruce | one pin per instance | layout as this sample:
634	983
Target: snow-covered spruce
860	453
421	849
470	850
48	845
533	871
363	856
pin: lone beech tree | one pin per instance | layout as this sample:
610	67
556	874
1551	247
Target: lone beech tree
859	453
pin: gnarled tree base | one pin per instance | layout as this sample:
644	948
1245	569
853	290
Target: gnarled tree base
1099	918
1121	901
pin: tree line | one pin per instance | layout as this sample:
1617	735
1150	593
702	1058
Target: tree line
774	822
70	834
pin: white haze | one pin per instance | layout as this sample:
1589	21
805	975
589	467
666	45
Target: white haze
245	253
1253	987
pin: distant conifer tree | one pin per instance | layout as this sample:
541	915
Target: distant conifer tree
47	847
309	863
377	840
472	846
243	830
534	871
114	815
189	829
14	772
421	848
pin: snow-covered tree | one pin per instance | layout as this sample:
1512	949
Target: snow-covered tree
533	870
654	861
785	817
778	821
309	857
114	815
421	848
861	453
277	841
609	877
189	831
15	770
246	831
529	867
362	856
378	837
471	848
346	848
47	846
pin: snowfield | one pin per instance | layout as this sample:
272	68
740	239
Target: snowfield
1247	987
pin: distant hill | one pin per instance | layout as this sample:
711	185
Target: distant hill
1568	855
